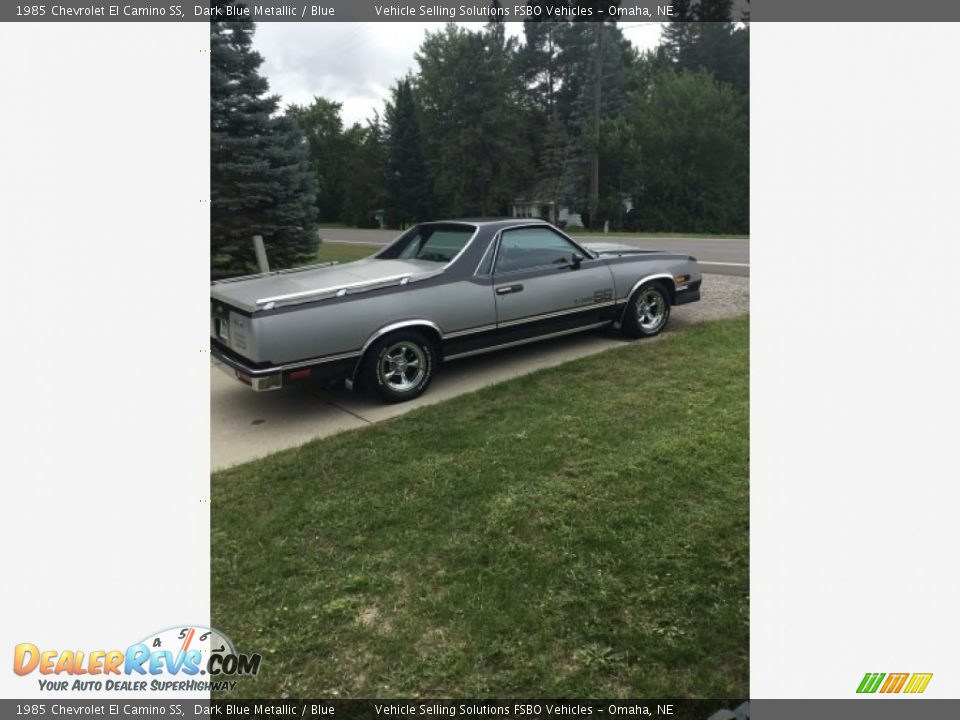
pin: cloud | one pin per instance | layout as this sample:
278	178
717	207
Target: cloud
352	63
356	63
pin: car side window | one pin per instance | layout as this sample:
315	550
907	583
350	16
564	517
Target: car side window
437	244
527	248
486	262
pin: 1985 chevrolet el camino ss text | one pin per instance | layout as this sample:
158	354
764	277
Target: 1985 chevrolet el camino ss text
440	291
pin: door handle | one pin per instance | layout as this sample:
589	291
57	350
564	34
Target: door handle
504	289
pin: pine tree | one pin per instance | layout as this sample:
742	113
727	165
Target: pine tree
575	103
407	181
537	65
555	176
260	179
364	192
702	37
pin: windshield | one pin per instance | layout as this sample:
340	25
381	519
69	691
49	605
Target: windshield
436	243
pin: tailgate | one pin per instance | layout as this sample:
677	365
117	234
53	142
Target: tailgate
232	329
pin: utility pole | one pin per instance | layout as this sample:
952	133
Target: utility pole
597	89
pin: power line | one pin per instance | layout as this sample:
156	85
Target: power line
643	24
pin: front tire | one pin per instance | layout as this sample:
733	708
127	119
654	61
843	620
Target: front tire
647	312
399	367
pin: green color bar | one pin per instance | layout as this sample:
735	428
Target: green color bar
870	682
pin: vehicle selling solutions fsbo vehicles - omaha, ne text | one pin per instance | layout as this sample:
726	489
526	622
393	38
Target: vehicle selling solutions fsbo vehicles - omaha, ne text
440	291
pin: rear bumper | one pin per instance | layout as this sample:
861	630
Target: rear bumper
273	377
687	293
260	379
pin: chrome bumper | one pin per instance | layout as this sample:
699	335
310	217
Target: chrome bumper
260	379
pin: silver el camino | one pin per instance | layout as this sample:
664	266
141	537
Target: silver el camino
440	291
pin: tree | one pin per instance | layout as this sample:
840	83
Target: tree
469	95
618	160
260	179
537	63
364	191
321	125
702	37
538	124
692	172
576	99
409	192
554	177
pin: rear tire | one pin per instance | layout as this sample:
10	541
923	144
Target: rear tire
647	312
399	366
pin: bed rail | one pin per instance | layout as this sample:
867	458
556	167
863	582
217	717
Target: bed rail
269	303
272	273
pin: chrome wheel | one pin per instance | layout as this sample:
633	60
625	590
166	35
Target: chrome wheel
402	366
651	310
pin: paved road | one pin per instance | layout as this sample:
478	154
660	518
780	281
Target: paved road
245	425
724	257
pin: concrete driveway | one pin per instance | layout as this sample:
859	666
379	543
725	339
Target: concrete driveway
246	425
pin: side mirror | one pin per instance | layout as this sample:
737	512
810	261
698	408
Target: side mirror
575	261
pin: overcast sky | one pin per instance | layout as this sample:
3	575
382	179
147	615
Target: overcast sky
357	63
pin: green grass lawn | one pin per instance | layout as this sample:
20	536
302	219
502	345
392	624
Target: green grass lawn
580	531
345	252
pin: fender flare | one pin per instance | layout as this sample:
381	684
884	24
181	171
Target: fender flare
640	283
393	327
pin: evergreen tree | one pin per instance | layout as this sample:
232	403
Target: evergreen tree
540	125
407	180
484	121
538	63
260	179
556	183
702	37
576	100
495	18
364	190
321	124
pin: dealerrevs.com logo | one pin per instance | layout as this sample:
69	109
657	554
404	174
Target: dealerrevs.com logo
911	683
183	659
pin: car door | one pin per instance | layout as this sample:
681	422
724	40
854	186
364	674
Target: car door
544	285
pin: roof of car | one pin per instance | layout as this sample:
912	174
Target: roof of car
497	221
